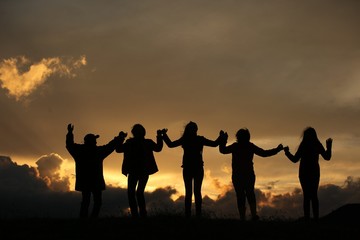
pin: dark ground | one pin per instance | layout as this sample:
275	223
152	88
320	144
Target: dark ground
341	224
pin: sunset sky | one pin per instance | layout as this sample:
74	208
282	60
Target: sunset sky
274	67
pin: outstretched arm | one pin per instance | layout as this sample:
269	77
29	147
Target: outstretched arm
294	158
267	153
169	143
211	143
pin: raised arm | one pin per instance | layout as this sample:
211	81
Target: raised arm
69	136
222	145
159	141
120	144
327	154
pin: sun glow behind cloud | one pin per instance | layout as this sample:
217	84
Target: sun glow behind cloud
20	77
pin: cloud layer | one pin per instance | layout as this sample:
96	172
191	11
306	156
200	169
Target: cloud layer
41	192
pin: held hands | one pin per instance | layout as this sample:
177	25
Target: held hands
280	147
122	135
286	149
223	136
163	131
159	133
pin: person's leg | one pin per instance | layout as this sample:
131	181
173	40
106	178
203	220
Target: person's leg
306	197
140	195
97	196
198	179
85	203
240	196
131	191
314	186
250	194
188	191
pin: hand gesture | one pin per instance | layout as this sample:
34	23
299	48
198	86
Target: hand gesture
70	128
159	133
286	149
329	142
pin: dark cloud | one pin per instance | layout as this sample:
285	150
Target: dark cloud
25	193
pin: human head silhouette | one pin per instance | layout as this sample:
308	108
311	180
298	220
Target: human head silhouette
243	135
138	131
309	135
90	139
190	129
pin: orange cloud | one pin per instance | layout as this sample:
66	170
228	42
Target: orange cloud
20	77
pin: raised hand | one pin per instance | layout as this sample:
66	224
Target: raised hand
70	128
329	142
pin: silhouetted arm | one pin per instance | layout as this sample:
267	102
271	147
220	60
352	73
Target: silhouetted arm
267	153
327	153
211	143
70	145
294	158
159	142
169	143
222	145
120	144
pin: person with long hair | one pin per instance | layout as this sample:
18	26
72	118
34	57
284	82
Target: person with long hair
309	170
192	163
243	174
138	164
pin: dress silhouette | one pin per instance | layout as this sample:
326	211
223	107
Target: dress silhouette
138	163
309	170
243	174
192	163
89	168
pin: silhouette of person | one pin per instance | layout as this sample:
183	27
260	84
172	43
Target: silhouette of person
309	170
243	174
89	168
138	163
192	163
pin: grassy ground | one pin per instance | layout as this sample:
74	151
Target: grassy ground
175	228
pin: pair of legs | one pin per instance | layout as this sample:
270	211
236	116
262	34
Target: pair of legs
191	176
310	187
85	203
136	197
244	189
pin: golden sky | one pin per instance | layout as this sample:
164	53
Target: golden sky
274	67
